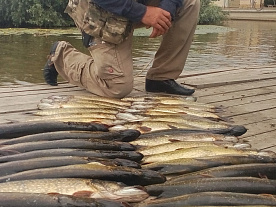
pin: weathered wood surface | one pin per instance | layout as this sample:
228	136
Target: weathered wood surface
247	95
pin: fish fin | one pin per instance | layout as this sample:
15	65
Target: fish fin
207	175
180	148
53	194
262	176
145	129
174	140
83	193
172	127
10	121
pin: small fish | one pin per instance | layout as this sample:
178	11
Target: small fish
78	187
49	112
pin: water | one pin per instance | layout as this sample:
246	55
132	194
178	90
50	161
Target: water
239	44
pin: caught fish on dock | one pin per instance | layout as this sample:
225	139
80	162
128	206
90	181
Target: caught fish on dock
55	200
259	170
26	128
212	199
187	165
79	188
127	175
93	144
13	167
130	155
123	136
225	184
199	152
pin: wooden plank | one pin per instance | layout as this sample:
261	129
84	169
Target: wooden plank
233	88
254	117
230	77
239	94
261	127
262	141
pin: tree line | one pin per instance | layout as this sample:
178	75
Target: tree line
50	13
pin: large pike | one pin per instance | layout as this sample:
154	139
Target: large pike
124	136
187	165
78	187
12	167
199	152
26	128
226	184
94	144
127	175
130	155
45	200
152	139
212	199
259	170
168	147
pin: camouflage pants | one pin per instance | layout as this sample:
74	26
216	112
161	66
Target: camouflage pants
109	70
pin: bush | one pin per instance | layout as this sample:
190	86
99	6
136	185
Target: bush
211	14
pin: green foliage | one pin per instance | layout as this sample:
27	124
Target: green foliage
33	13
50	13
210	13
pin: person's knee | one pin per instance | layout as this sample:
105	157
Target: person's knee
119	89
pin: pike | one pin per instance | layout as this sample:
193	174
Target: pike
259	170
127	175
46	200
13	130
130	155
188	165
79	188
200	152
168	147
49	112
152	139
123	135
212	199
94	144
13	167
226	184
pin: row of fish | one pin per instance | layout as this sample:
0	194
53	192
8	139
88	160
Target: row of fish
141	151
145	114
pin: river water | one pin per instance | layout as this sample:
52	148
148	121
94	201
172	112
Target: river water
237	44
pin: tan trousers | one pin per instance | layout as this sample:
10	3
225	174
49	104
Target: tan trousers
109	70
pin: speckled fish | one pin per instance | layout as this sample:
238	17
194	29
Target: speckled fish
49	112
46	200
103	99
168	147
12	167
130	155
149	140
201	123
78	187
149	126
188	165
124	136
94	144
198	152
212	198
259	170
26	128
127	175
226	184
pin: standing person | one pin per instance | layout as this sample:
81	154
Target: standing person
109	70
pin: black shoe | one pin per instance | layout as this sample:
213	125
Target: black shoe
167	86
49	72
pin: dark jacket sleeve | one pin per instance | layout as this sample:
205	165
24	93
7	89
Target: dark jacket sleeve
133	10
127	8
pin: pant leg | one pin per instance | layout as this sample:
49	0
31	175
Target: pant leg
171	56
109	72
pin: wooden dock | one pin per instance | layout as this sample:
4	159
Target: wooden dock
248	96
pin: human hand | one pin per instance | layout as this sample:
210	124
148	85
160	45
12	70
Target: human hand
157	18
